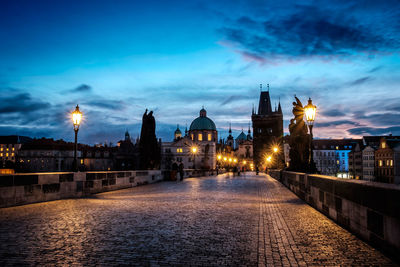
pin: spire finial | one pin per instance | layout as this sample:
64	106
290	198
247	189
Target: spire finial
268	87
260	87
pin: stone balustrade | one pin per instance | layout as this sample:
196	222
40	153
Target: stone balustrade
370	210
19	189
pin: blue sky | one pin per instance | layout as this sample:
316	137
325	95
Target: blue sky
117	58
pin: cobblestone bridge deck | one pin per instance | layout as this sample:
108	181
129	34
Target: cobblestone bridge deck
251	220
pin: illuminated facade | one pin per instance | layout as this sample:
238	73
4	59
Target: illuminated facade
197	149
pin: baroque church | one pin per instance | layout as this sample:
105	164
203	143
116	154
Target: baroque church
196	149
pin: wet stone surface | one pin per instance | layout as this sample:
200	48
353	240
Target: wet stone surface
246	221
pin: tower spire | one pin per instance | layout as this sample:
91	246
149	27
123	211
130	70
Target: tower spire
260	87
268	87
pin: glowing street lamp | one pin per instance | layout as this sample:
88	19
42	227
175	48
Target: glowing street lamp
194	151
309	111
219	157
235	160
76	119
275	149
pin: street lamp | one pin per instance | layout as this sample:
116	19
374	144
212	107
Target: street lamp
194	151
310	111
275	149
76	119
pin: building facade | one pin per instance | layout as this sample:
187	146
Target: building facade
9	148
195	150
267	128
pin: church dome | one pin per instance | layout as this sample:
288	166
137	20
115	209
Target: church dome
178	131
203	122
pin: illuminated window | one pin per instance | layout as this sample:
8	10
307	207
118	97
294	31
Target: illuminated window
387	162
13	149
200	137
1	149
12	154
209	137
337	147
192	136
7	148
1	154
7	154
179	150
380	163
337	162
81	161
391	162
383	145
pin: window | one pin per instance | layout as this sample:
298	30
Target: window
12	154
192	136
13	149
179	150
200	137
1	149
209	137
7	148
342	154
337	162
1	154
7	154
391	162
383	145
387	162
380	163
81	161
337	147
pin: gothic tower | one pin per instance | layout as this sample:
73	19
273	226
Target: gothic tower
267	128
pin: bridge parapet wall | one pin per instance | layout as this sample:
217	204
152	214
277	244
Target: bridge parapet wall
371	210
19	189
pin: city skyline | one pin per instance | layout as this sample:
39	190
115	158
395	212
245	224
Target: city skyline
117	59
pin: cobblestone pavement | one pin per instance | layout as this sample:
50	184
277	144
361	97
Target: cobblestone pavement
246	221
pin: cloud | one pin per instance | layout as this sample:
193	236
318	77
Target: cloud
360	81
333	113
336	123
21	103
81	88
303	31
106	104
395	130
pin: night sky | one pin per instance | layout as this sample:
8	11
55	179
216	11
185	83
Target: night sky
117	58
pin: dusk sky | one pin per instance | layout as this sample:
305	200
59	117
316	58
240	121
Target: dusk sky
117	58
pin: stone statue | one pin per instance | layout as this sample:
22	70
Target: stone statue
298	140
149	150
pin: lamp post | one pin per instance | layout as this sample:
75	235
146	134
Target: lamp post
76	119
310	111
194	151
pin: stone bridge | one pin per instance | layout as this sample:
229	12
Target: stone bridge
208	221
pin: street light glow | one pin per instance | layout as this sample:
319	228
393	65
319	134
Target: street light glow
310	110
76	117
275	149
219	157
194	150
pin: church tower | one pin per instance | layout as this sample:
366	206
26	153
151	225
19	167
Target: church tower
267	127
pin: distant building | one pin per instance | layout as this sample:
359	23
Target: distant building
387	161
267	128
127	154
331	156
244	149
48	155
202	135
9	148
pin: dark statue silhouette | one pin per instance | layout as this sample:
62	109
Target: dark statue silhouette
299	141
149	149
